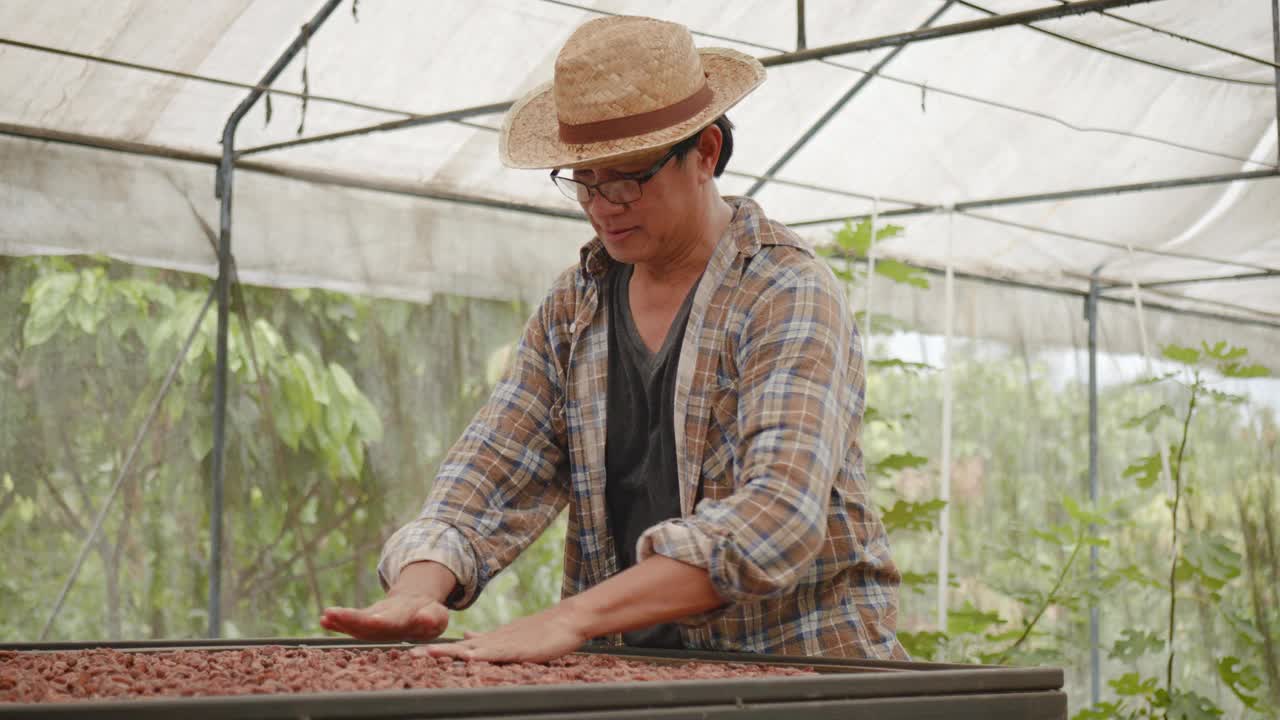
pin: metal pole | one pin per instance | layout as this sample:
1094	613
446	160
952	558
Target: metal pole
223	190
1275	41
459	114
800	40
837	107
1199	279
948	401
1059	195
961	28
1091	313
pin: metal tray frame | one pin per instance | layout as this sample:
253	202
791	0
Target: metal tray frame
885	690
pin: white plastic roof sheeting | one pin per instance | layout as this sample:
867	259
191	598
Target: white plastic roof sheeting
998	113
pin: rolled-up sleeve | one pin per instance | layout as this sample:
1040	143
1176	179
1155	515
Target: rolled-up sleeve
793	430
423	540
502	483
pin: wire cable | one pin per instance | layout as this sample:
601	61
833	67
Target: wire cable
1184	38
1125	56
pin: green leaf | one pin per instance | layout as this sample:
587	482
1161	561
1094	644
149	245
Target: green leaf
854	240
901	272
896	364
895	462
1187	705
888	231
1133	684
1101	711
1212	559
909	516
969	620
1244	680
1151	419
1236	370
1083	516
1133	644
368	424
1222	351
1060	535
1155	379
49	297
923	645
1180	354
346	387
1133	574
1224	397
338	418
1246	629
1146	470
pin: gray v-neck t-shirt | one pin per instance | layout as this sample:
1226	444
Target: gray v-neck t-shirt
641	481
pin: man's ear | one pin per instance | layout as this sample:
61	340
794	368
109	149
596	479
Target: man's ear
710	142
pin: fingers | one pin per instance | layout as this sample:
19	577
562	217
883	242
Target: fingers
387	622
361	624
457	651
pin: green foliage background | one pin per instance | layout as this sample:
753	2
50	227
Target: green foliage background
341	409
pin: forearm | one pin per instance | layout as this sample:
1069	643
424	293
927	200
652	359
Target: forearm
427	579
656	590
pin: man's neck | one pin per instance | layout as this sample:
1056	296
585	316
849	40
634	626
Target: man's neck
681	269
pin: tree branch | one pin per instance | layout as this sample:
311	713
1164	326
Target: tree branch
306	549
1048	601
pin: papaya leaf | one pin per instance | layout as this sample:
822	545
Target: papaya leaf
922	645
969	620
1236	370
896	364
1081	515
1224	397
1101	711
1151	419
897	461
1133	644
1180	354
1212	559
1133	684
1244	680
909	516
901	272
1154	379
1222	351
1246	629
1186	705
854	240
1133	574
1146	470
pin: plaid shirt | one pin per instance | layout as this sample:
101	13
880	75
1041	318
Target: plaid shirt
768	413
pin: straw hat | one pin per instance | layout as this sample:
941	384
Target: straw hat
624	86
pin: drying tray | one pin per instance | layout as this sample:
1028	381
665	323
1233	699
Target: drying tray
880	689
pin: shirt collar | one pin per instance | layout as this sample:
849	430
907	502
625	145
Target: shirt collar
749	231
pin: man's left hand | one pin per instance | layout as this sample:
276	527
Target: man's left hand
537	638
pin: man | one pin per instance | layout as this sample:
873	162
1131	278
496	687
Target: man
692	391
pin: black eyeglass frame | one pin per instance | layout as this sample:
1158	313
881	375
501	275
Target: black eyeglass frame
639	179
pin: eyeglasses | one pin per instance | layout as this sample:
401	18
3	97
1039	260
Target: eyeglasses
619	191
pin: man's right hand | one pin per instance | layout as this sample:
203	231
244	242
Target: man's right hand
393	618
412	610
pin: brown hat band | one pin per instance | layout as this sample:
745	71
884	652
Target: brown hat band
629	125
